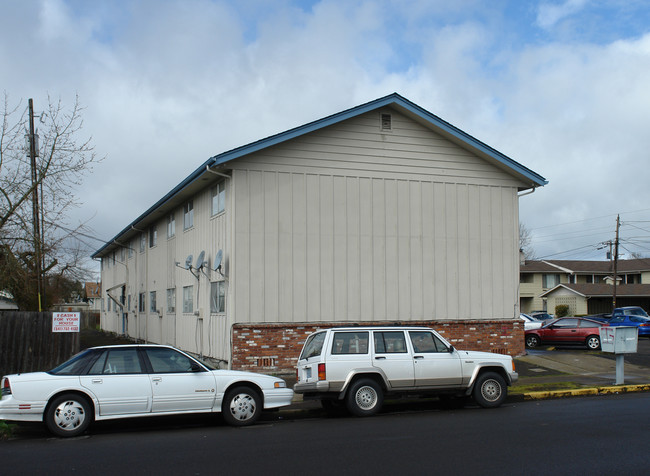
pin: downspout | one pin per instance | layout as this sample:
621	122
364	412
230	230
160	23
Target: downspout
231	245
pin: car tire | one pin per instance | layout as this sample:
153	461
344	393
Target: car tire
490	390
364	398
68	415
242	406
593	342
532	341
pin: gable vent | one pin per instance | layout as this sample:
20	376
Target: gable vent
386	122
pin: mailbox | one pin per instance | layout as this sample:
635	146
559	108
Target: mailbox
619	339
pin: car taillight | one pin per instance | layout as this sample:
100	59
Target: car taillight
6	388
322	375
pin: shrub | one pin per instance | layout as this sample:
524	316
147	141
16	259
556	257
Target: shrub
561	310
6	430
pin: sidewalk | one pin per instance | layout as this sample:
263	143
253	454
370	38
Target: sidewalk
585	373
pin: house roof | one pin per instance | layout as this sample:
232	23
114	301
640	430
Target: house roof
401	104
585	267
603	290
93	290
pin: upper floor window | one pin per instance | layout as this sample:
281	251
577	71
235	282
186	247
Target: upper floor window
152	301
171	225
188	215
141	302
143	242
218	198
153	236
550	280
188	299
171	300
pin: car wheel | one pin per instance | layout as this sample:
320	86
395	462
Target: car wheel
364	398
490	390
68	415
532	341
242	406
593	342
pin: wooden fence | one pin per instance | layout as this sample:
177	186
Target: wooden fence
27	343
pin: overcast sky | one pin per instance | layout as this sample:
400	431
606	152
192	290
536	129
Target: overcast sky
561	86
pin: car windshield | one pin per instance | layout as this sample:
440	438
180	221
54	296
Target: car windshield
77	364
313	346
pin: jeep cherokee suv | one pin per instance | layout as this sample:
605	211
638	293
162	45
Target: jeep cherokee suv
356	366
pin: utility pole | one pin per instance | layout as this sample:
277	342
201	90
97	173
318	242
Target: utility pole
36	217
618	225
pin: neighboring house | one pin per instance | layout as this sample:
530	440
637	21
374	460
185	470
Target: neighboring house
381	213
93	296
585	286
7	302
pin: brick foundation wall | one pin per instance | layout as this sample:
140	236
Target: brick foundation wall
274	348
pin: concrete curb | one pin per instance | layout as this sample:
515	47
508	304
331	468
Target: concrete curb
609	390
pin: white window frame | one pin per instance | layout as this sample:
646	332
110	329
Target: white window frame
153	236
171	300
171	225
188	215
152	301
218	297
142	302
218	194
188	299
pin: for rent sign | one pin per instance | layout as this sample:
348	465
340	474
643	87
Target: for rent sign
66	321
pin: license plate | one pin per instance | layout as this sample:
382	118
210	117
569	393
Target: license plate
307	373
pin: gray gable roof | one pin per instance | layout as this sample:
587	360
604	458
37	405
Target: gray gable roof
403	105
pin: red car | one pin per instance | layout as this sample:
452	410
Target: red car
566	330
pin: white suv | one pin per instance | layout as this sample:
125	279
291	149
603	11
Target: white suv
357	366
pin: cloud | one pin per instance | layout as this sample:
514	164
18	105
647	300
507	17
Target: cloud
168	84
549	14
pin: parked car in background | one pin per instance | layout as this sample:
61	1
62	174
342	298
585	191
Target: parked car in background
530	322
643	323
125	381
541	315
356	367
566	330
629	311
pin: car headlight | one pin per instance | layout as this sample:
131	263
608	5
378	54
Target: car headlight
280	384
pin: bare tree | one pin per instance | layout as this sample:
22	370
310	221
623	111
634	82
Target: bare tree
525	239
63	161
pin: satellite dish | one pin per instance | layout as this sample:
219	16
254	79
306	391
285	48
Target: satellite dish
217	260
188	262
200	260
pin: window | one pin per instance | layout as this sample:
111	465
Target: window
188	301
425	342
171	225
131	250
143	241
152	301
218	296
550	280
390	343
117	361
386	122
109	304
218	198
171	300
122	255
188	215
168	361
313	346
350	343
128	307
153	236
141	299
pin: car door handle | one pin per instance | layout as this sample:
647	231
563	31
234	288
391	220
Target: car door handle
380	358
418	357
157	379
97	380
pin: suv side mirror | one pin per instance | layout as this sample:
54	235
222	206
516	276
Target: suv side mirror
451	349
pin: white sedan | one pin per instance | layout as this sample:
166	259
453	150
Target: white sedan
126	381
530	322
